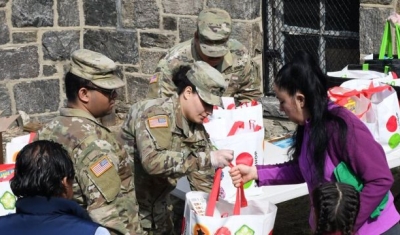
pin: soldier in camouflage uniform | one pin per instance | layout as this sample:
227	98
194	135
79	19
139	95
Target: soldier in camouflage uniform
168	141
104	181
211	43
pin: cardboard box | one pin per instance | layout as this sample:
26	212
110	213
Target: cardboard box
5	123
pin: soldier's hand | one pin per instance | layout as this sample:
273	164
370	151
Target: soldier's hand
221	158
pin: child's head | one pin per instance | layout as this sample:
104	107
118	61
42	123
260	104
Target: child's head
336	207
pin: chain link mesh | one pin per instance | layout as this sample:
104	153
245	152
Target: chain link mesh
327	29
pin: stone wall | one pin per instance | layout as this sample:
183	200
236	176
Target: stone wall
37	37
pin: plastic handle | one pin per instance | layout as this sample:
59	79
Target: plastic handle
386	44
241	200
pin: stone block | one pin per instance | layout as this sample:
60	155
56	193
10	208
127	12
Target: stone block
169	23
21	62
49	70
257	41
187	27
120	46
68	13
137	88
149	60
58	45
156	40
146	14
100	12
372	21
271	107
183	7
127	15
242	32
32	13
238	9
37	96
5	101
380	2
129	69
277	128
3	3
24	37
4	30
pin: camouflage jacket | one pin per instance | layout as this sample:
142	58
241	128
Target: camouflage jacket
237	67
104	182
164	144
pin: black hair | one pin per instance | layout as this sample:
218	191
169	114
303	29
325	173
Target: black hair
336	208
181	81
40	168
72	85
304	75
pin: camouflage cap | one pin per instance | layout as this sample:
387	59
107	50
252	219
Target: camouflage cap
209	82
96	67
214	27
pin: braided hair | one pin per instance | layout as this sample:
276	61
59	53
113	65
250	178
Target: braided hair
336	207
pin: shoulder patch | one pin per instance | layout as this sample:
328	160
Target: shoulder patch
98	168
154	78
158	121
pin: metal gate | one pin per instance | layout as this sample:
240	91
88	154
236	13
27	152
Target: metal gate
327	29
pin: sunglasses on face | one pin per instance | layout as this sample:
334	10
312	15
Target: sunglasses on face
106	92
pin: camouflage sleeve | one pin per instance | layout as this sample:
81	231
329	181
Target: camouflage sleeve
250	83
157	157
161	84
110	198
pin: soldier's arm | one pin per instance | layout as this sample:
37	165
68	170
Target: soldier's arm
250	83
153	144
161	84
110	201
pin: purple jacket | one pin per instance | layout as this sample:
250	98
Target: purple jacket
365	156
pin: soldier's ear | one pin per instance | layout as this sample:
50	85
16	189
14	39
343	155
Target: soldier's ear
83	95
187	92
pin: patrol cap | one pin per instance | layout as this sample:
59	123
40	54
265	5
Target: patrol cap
214	27
96	67
209	82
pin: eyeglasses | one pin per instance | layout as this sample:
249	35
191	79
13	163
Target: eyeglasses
106	92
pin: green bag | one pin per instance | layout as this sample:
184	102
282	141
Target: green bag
344	174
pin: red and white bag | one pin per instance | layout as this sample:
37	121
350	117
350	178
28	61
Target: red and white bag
205	215
241	130
376	104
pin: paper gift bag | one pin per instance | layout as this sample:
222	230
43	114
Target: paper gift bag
382	118
7	198
205	215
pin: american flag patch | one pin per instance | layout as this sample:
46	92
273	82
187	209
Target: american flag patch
158	121
101	166
154	78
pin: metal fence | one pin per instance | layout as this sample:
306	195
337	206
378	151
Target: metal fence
328	29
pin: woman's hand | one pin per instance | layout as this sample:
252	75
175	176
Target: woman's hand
242	173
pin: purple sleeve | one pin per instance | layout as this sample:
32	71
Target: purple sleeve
284	173
368	160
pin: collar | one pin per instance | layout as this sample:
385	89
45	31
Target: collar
55	205
181	121
71	112
226	63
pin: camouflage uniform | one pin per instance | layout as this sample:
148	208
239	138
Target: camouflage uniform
237	67
104	183
167	147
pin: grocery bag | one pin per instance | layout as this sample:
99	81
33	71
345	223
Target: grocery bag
382	116
7	198
239	129
205	215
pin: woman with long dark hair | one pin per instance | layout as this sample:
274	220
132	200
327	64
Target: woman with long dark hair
327	136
